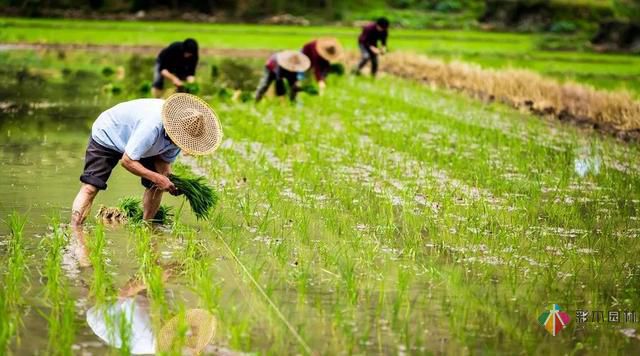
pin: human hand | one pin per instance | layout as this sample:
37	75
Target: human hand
374	49
191	79
177	82
163	183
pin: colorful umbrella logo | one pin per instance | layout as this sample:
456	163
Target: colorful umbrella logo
554	320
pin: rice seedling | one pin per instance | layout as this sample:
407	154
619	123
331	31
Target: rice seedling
102	287
202	198
61	318
132	207
14	282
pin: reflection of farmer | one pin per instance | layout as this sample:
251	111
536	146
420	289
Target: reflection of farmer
322	52
130	315
285	65
146	135
368	43
176	63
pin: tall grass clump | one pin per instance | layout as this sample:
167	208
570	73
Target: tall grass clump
61	318
13	284
201	196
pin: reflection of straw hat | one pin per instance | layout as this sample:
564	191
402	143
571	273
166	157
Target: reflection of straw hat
293	61
329	48
191	124
201	329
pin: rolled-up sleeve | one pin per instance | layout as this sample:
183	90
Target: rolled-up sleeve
141	140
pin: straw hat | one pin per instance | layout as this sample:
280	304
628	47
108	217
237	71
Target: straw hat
293	61
329	48
191	124
202	328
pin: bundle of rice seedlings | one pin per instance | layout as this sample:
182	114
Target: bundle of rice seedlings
201	197
132	207
164	214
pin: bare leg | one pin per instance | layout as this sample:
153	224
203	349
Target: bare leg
79	211
151	202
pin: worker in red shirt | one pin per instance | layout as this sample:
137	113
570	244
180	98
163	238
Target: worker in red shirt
368	42
322	52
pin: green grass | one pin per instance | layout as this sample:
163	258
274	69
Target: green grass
486	48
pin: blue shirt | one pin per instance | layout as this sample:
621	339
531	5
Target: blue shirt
135	128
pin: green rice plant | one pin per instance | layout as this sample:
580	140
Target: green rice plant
14	282
102	286
151	272
61	317
202	198
132	207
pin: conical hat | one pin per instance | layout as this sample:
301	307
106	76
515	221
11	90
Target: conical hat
293	61
191	124
329	48
202	328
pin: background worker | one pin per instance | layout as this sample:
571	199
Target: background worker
322	53
368	42
285	65
177	63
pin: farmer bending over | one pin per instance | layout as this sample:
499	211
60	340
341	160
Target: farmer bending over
368	43
146	136
285	65
322	52
176	63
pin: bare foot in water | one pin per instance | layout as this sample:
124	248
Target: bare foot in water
78	246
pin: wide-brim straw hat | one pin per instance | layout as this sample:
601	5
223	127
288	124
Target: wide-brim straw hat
293	61
329	48
201	328
191	124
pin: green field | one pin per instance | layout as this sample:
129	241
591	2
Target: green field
496	50
384	217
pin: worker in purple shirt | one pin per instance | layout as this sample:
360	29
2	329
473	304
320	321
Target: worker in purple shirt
368	43
284	65
322	52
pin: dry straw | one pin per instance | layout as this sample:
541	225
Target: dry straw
523	89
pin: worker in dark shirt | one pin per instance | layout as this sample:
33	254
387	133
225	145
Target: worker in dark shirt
176	63
322	52
368	42
285	65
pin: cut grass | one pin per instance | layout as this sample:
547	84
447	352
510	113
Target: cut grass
523	88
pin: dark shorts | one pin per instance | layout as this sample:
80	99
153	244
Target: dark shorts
158	79
99	162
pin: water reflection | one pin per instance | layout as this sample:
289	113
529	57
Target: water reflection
587	161
130	313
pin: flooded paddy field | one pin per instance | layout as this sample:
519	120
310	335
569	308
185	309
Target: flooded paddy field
380	218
